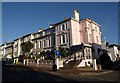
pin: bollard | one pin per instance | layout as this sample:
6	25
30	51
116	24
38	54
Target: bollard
38	62
14	61
94	64
57	63
24	62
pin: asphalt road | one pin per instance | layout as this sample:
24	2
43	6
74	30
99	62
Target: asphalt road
82	74
10	73
21	73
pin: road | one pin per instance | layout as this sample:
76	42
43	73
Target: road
21	73
25	74
82	74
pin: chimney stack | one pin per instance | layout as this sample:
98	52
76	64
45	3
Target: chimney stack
76	14
65	18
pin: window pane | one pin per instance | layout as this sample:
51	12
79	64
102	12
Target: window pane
59	39
67	38
34	45
40	44
66	25
44	43
53	41
49	43
63	27
37	44
63	38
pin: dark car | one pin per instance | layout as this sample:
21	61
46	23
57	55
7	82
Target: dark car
7	62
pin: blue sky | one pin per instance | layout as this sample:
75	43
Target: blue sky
20	18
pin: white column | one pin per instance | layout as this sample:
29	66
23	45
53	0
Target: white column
14	60
27	61
61	39
65	38
38	44
24	61
94	64
84	53
38	62
4	50
57	63
35	45
19	47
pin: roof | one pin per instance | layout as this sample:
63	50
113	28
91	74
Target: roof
76	47
23	36
26	35
90	20
42	36
111	45
16	39
62	21
2	45
8	47
45	30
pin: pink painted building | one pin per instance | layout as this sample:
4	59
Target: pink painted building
81	36
73	31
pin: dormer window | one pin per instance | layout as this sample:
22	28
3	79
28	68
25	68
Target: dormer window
62	27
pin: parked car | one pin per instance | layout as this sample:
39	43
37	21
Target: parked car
7	62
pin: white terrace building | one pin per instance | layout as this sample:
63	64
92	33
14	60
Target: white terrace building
82	37
17	44
6	50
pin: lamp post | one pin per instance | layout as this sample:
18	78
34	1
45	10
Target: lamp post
57	54
56	59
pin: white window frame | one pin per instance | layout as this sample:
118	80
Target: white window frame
35	45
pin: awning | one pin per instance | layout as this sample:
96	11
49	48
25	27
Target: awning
77	47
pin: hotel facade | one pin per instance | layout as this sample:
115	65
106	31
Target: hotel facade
81	38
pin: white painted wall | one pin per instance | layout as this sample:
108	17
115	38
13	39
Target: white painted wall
113	50
75	32
82	64
85	63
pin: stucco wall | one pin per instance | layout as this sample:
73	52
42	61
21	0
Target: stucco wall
75	32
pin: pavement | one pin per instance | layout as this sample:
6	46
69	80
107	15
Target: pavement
79	74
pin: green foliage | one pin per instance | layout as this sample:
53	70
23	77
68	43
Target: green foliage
38	56
118	47
63	52
106	61
25	57
26	47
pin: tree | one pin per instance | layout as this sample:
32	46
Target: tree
106	61
26	47
63	51
118	47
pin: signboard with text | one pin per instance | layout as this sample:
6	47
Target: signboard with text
57	52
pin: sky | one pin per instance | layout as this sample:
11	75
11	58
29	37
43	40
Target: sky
20	18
